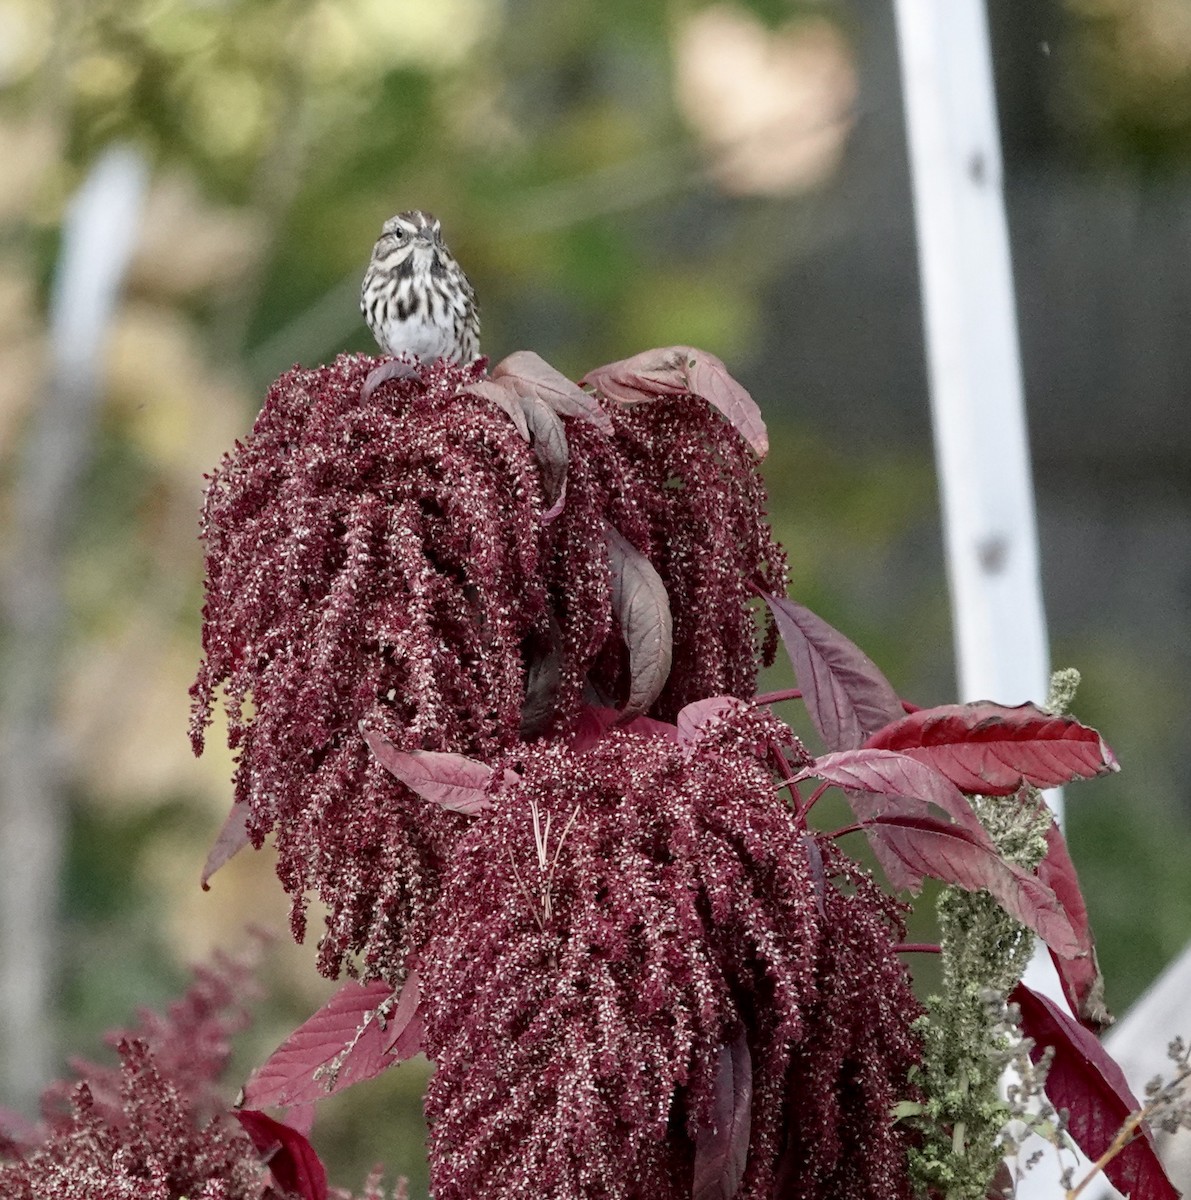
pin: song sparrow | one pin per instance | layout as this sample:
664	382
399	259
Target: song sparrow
415	296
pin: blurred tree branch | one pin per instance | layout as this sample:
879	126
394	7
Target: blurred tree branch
54	455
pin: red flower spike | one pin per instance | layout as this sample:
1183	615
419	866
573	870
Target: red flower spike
1085	1081
991	750
606	930
398	554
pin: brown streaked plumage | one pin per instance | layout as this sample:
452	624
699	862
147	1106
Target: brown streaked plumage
415	296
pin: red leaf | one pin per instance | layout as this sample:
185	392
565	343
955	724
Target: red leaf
847	697
549	441
1085	1080
642	609
537	421
888	773
722	1145
916	846
1080	975
679	371
395	369
452	781
696	716
410	1040
300	1117
505	398
814	857
232	838
291	1158
1002	1185
593	723
531	375
992	750
649	727
356	1035
555	510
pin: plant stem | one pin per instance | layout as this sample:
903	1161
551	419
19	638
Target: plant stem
1123	1137
813	799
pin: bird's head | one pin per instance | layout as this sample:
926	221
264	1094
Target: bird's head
408	235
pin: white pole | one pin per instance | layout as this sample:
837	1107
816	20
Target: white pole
972	351
974	368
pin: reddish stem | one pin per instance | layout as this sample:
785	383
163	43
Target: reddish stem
910	707
813	799
917	948
782	767
778	697
839	833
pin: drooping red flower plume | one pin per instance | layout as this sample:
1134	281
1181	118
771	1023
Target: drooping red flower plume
401	555
620	923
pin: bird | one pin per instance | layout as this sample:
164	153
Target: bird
415	297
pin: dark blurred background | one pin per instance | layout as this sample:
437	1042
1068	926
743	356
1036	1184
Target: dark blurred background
614	176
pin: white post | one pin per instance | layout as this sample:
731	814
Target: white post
972	351
974	367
